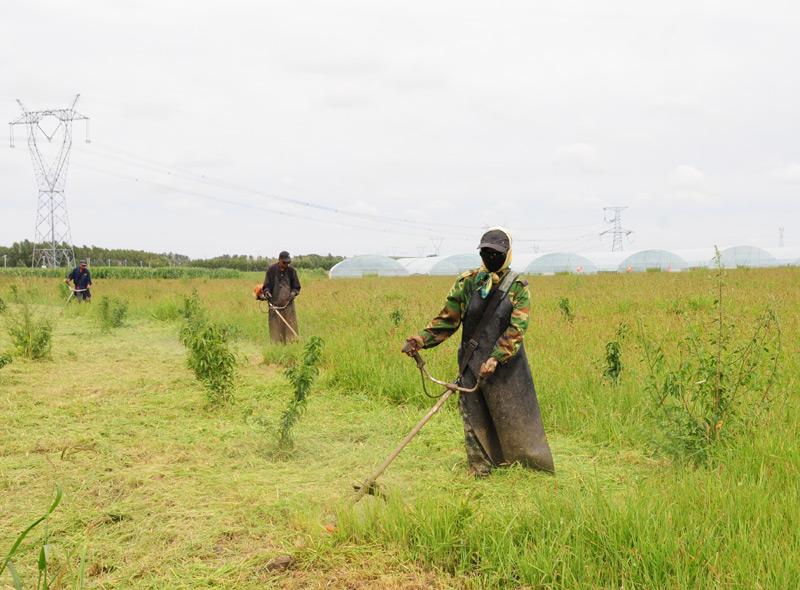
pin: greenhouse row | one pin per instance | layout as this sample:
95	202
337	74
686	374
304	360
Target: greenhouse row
550	263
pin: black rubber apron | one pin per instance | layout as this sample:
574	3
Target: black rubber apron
281	295
504	413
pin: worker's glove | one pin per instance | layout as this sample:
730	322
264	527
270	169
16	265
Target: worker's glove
292	295
488	367
413	343
266	295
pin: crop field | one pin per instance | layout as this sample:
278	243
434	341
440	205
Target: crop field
166	488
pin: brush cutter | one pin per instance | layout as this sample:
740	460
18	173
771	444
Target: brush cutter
72	294
276	310
257	293
368	487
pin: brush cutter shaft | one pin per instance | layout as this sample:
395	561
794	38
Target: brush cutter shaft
275	309
369	482
451	387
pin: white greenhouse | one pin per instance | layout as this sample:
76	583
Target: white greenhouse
559	262
645	260
746	257
367	265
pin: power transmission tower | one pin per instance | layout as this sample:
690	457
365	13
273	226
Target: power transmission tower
52	243
780	241
617	230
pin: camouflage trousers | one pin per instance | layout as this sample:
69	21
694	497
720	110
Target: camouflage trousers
480	464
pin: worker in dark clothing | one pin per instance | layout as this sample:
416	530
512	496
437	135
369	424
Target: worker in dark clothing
502	421
82	281
281	286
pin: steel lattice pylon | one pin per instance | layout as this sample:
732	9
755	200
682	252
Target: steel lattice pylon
617	232
52	242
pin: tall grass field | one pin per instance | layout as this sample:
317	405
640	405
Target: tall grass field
670	402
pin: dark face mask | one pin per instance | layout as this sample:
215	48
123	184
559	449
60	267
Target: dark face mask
492	259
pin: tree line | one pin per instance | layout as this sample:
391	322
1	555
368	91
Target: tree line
20	254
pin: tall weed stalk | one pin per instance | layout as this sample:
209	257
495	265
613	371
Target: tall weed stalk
717	384
111	313
63	576
30	336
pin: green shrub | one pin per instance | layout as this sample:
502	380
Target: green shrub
301	375
111	312
63	290
2	305
612	361
209	354
5	359
30	336
718	383
564	306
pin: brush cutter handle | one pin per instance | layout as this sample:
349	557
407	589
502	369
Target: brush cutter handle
449	386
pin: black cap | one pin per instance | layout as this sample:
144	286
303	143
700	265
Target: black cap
496	239
82	263
284	257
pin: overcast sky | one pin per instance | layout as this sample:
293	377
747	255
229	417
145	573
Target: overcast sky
407	127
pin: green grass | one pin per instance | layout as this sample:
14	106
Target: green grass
183	496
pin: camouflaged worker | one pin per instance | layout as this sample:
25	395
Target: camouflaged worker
281	286
502	421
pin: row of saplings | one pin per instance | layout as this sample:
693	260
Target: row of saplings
210	352
214	363
31	333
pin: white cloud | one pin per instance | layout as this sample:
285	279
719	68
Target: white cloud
686	176
689	187
579	202
688	197
581	155
683	105
788	174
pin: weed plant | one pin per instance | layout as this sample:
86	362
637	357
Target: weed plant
2	305
31	336
51	572
5	359
301	375
111	313
566	309
209	352
718	383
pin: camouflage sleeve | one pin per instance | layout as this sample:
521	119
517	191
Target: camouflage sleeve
508	344
447	322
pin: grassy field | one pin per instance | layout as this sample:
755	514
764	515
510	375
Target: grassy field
174	494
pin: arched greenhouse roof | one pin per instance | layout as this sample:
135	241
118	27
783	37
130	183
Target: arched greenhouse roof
454	264
367	265
786	256
697	257
607	261
451	265
419	266
746	257
651	260
559	262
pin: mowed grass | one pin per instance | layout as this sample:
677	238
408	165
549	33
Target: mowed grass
184	496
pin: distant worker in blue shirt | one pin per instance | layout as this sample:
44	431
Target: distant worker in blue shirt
82	280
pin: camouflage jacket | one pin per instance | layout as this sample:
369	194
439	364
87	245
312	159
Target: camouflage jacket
447	322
